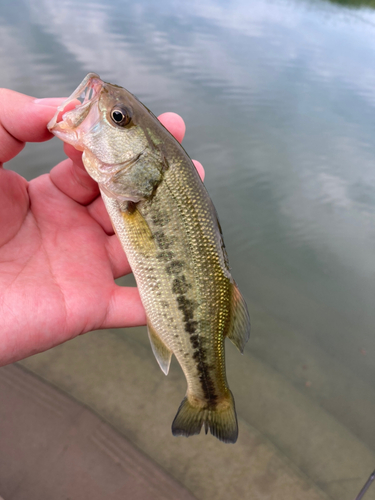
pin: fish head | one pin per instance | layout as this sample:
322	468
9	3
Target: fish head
107	124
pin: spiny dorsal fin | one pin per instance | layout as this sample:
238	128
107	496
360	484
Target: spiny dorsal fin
162	354
239	328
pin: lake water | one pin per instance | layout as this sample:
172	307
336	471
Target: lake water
279	101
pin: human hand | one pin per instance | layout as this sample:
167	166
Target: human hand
59	255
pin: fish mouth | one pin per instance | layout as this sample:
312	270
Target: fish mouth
69	124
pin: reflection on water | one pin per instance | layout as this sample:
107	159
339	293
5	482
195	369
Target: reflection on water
279	102
355	3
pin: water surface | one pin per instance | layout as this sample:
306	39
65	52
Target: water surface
279	101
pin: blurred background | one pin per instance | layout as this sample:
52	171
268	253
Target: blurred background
279	101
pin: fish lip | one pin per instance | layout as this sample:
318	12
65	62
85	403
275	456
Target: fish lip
89	90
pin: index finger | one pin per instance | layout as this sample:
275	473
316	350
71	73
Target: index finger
23	119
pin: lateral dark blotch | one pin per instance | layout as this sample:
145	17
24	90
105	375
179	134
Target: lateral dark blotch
186	306
191	327
203	368
180	285
159	219
184	302
175	267
166	256
163	241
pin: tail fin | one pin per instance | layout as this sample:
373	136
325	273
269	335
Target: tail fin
221	420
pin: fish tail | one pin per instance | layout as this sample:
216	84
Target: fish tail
220	419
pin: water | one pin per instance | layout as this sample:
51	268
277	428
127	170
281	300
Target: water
279	100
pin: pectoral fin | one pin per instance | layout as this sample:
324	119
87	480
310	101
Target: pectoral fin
239	329
162	354
138	230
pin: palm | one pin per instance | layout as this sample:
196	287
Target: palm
59	270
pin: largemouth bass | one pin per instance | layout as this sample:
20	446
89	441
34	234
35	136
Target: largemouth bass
169	229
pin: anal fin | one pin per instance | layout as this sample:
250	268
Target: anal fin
161	352
239	329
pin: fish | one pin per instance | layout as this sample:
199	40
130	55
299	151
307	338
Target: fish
170	232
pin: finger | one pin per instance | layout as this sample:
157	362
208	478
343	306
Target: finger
125	309
73	181
14	204
117	257
174	123
23	119
71	178
74	155
200	169
99	213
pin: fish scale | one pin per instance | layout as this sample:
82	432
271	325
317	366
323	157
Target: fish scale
168	227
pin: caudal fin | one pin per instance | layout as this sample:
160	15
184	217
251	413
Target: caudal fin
221	420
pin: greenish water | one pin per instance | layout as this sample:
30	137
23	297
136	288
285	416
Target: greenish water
279	101
355	3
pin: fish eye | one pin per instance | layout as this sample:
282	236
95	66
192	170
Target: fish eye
121	115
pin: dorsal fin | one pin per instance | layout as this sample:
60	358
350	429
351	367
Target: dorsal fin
239	328
162	354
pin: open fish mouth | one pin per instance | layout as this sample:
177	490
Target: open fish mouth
71	125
